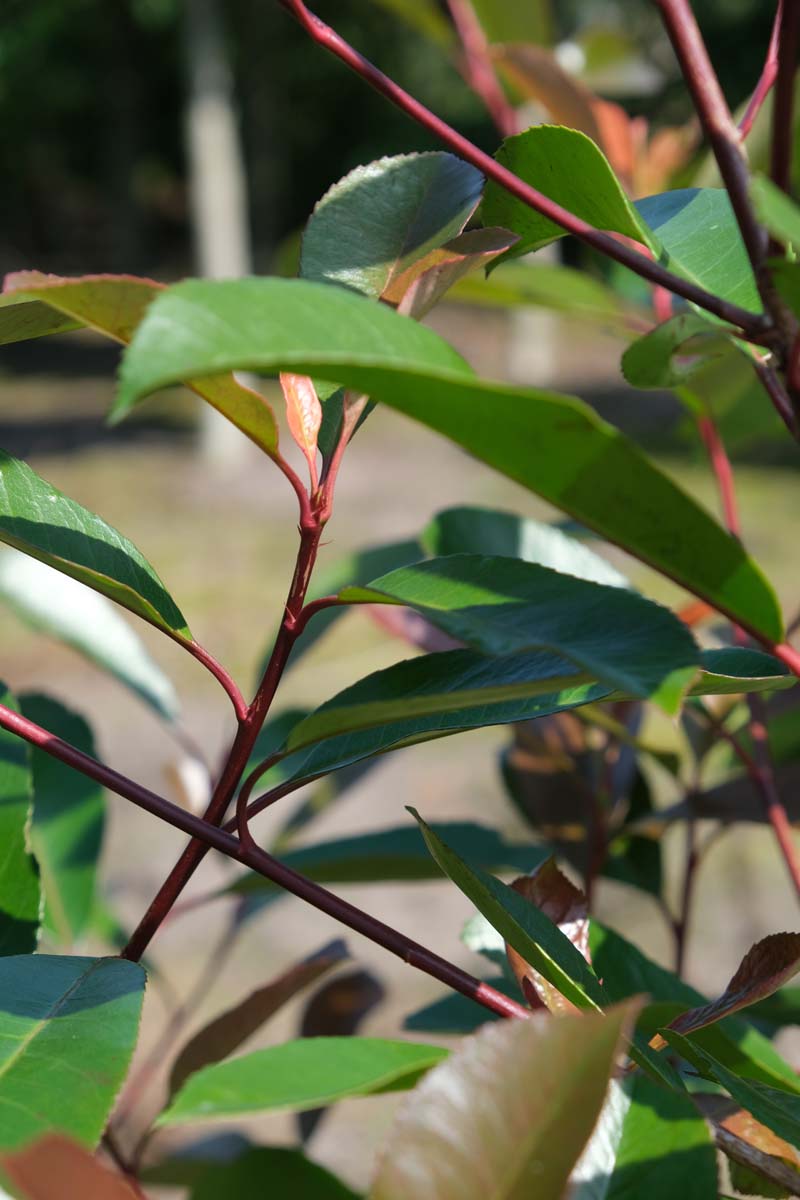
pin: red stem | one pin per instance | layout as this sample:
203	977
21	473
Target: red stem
753	324
242	748
218	671
783	108
480	73
265	865
720	130
721	466
767	79
773	386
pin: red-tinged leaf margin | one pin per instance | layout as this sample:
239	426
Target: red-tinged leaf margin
55	1166
767	966
557	897
423	284
117	316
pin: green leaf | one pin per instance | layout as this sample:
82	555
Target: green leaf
20	892
384	217
650	361
553	445
515	20
777	211
502	606
730	670
643	1124
68	821
777	1109
299	1075
521	924
68	1027
570	169
285	1171
432	696
396	855
469	530
39	520
508	1114
57	605
700	239
114	305
626	971
226	1033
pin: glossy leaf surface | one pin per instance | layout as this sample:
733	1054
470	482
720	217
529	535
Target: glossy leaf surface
57	605
20	891
508	1114
68	821
300	1075
39	520
501	606
379	220
68	1027
553	445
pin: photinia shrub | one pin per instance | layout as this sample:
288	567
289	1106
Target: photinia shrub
586	1069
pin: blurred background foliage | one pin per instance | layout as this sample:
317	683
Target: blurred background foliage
92	100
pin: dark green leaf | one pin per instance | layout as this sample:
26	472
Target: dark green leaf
68	821
515	20
733	669
648	1142
58	605
37	519
20	892
382	218
488	531
508	1114
68	1027
553	445
777	1109
227	1032
570	169
300	1075
501	606
700	236
114	305
228	1166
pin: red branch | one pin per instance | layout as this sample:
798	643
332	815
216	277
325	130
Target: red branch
267	866
479	72
756	325
767	79
783	108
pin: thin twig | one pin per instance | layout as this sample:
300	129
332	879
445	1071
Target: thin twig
478	67
756	326
782	143
766	80
221	675
270	868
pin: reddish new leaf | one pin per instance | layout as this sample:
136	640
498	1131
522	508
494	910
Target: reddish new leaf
766	967
228	1031
304	414
54	1167
549	890
114	305
421	285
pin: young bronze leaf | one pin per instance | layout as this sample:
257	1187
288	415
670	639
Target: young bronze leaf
228	1031
55	1166
550	891
418	288
508	1115
304	414
766	967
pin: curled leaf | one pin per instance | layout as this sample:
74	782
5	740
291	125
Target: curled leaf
553	894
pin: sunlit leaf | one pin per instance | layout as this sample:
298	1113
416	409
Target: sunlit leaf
508	1114
68	1027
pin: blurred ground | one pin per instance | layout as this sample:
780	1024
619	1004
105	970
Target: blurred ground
224	544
